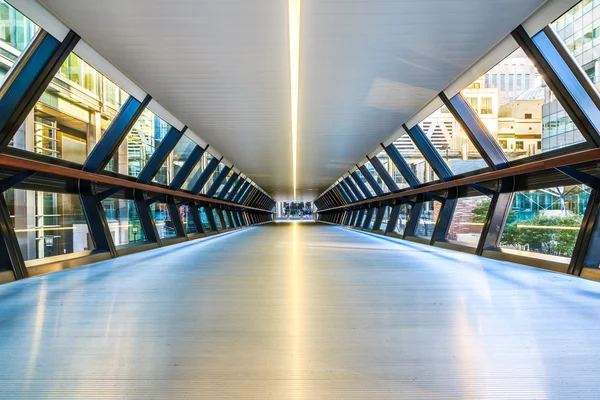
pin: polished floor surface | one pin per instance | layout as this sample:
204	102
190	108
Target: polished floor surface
300	311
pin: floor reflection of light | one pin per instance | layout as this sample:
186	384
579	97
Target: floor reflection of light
38	329
296	313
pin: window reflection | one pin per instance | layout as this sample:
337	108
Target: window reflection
139	145
123	221
163	220
47	224
197	171
204	218
175	161
187	219
216	218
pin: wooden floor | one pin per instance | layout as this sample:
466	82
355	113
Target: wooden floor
300	311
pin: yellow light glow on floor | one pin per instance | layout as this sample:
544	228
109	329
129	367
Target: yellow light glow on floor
295	9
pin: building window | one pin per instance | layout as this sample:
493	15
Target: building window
477	85
474	103
487	81
502	82
527	82
519	145
503	144
510	82
539	145
486	105
518	81
494	81
528	116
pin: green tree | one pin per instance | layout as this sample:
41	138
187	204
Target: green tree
481	210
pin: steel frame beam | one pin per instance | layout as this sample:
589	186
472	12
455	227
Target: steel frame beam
117	131
429	152
361	185
565	78
383	174
28	78
206	174
159	157
212	190
187	167
487	147
401	165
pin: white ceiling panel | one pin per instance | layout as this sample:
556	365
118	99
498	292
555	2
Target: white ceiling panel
222	68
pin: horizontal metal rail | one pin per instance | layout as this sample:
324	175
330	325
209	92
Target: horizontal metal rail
57	170
536	166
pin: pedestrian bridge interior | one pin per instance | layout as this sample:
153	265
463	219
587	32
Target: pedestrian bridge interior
299	199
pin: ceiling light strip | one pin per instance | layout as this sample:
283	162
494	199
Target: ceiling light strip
295	8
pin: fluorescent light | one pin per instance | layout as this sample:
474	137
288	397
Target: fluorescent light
295	9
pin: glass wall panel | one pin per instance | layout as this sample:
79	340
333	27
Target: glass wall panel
375	175
372	221
213	178
72	114
428	218
163	220
402	218
364	180
415	160
386	218
451	142
47	224
546	221
525	118
226	219
204	218
123	221
232	187
216	217
16	31
175	161
197	171
222	185
187	219
139	145
360	222
398	177
468	219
